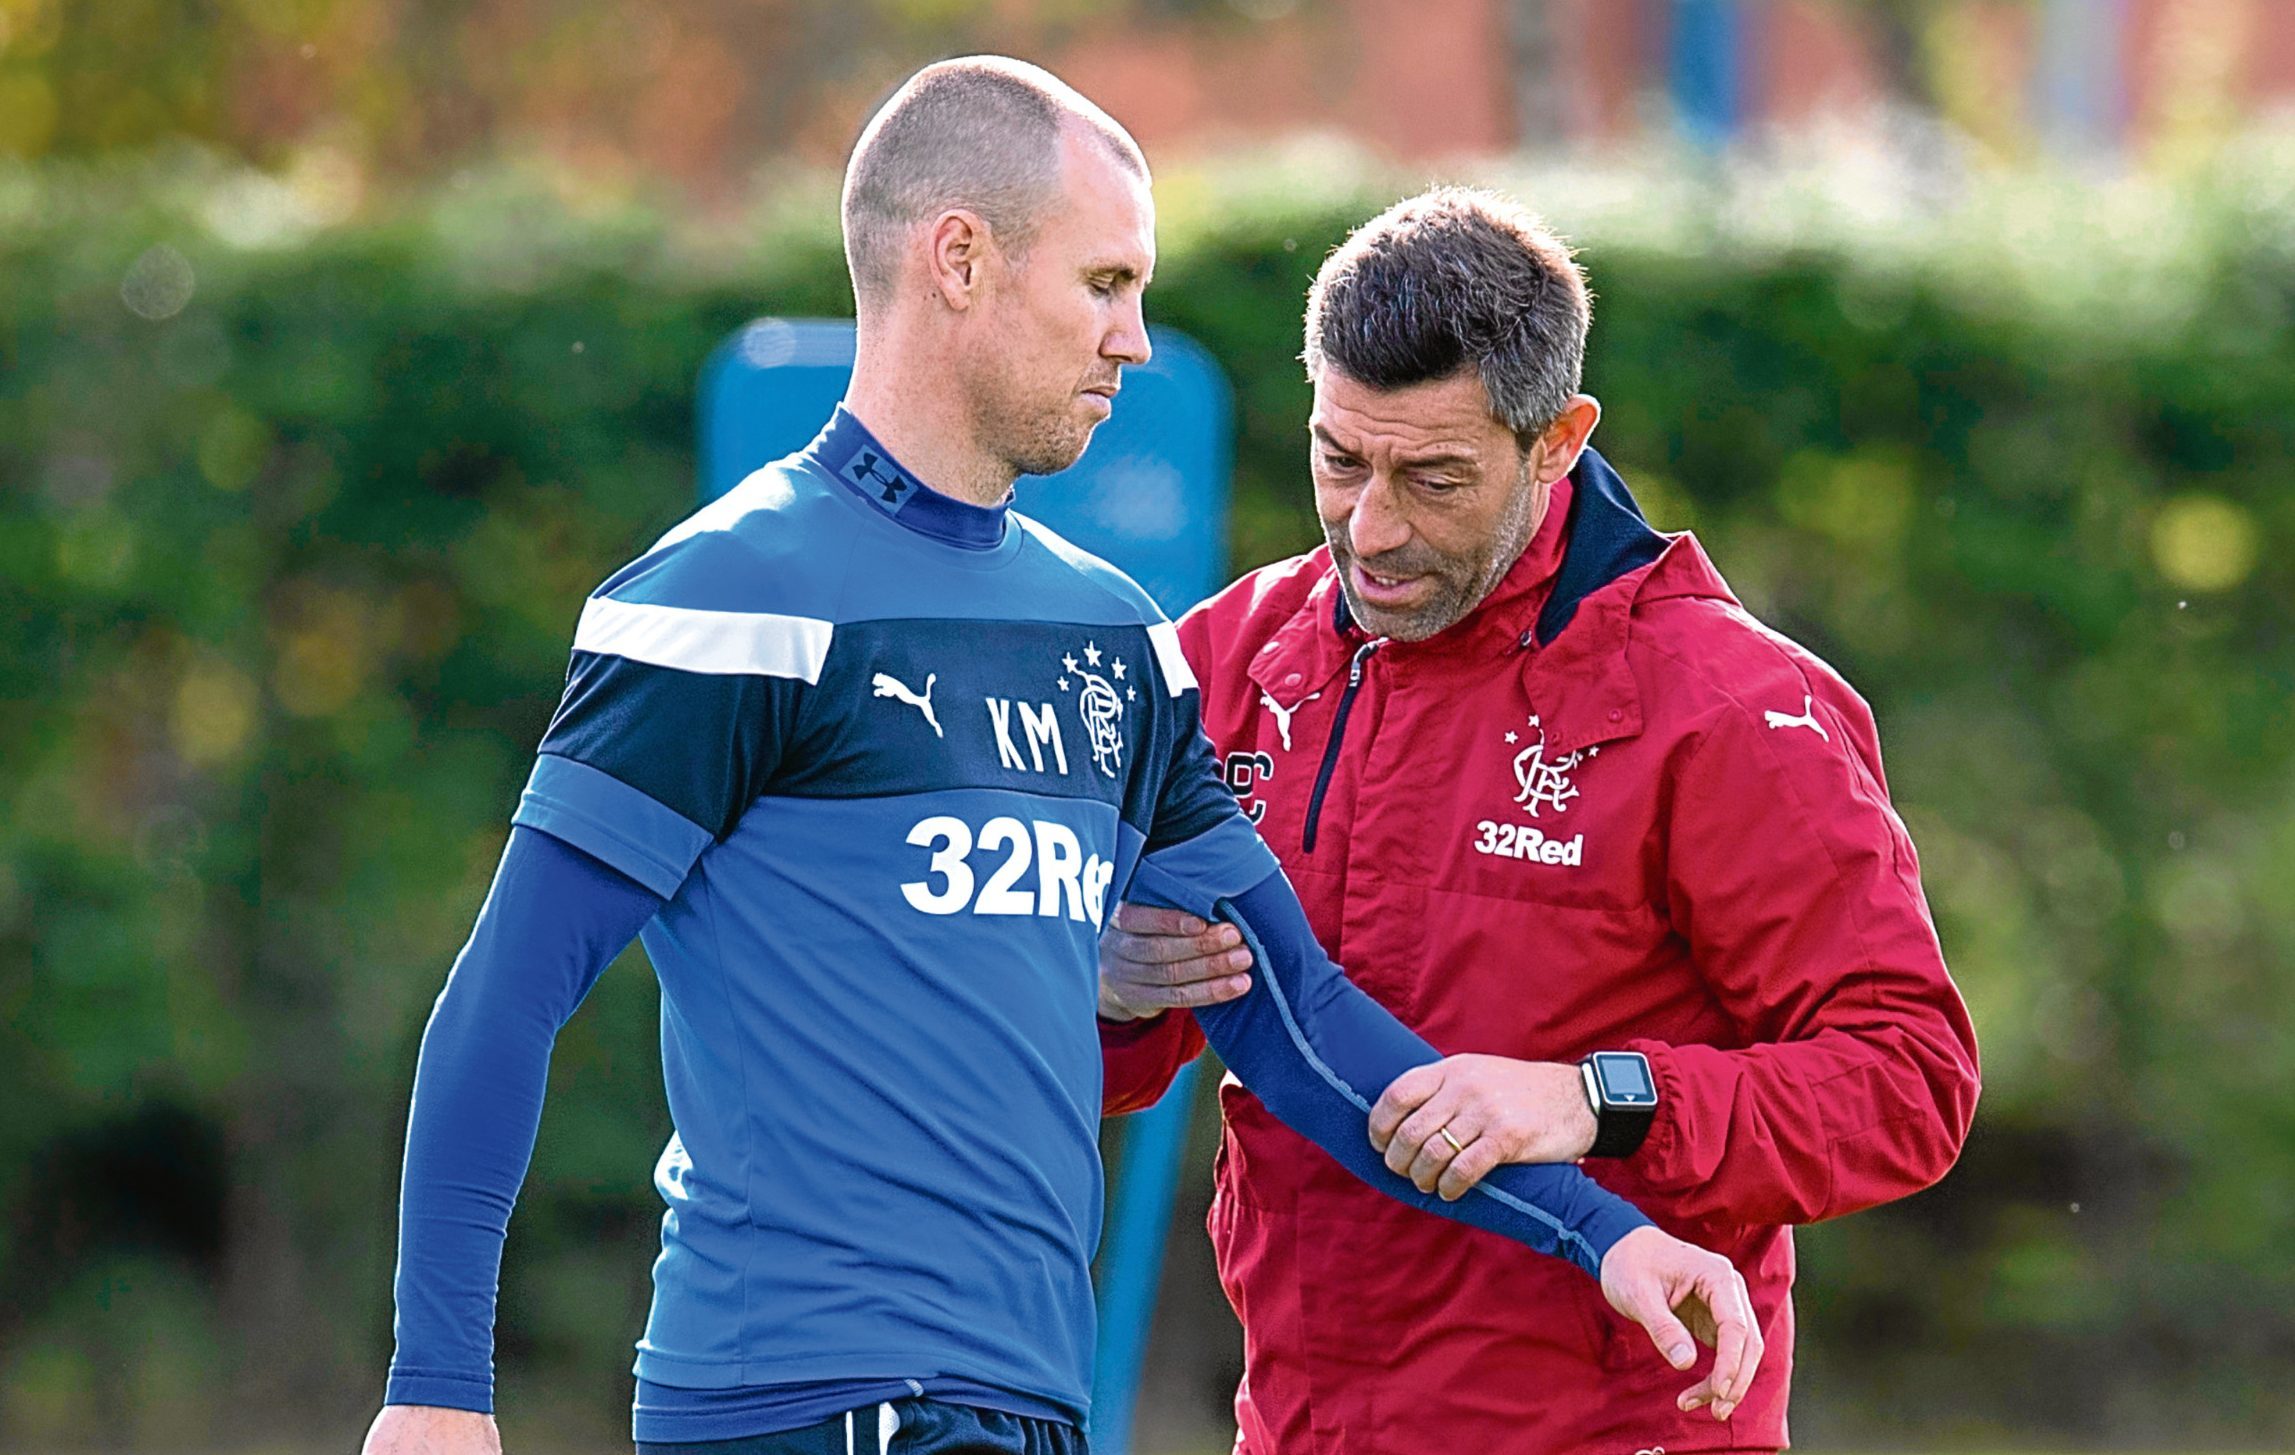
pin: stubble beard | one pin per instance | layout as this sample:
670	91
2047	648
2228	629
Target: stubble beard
1029	440
1045	444
1463	581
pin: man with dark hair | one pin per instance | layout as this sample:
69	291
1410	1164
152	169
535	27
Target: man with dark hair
1571	812
863	755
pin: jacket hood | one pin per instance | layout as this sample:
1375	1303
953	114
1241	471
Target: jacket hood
1607	537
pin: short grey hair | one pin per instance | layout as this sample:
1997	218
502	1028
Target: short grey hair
980	133
1452	279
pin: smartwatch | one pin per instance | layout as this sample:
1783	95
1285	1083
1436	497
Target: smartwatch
1623	1094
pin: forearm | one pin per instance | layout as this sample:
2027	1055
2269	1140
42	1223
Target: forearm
1797	1131
1318	1051
1857	1077
552	921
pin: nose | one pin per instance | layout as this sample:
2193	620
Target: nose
1377	525
1127	340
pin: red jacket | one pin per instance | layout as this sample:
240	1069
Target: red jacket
1607	810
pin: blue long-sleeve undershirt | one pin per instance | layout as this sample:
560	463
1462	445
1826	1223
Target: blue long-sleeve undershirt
1314	1048
1318	1052
554	919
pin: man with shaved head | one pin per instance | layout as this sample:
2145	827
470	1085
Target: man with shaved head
864	757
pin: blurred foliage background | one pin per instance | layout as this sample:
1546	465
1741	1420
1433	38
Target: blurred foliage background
324	402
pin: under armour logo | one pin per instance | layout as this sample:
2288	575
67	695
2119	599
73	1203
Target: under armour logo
1807	719
864	471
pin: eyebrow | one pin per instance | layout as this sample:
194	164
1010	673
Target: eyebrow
1441	457
1113	270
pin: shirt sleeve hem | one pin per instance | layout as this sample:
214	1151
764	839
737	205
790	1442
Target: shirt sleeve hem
1605	1226
441	1390
611	821
1224	861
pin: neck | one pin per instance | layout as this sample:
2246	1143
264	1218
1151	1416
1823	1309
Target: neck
915	411
1539	502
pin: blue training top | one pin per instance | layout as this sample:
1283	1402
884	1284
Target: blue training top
871	765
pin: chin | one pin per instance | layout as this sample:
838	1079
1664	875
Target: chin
1051	456
1396	628
1414	625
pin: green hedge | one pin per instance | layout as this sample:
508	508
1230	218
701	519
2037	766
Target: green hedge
290	566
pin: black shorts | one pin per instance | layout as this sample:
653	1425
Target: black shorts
902	1427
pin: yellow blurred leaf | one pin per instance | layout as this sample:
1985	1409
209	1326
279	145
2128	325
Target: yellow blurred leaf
2204	543
232	449
27	115
214	713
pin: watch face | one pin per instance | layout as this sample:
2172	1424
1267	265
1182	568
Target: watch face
1625	1078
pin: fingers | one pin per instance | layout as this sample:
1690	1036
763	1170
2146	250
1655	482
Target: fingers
1439	1135
1412	1149
1158	950
1639	1274
1153	960
1434	1154
1697	1397
1403	1096
1729	1376
1481	1157
1738	1320
1215	986
1409	1126
1667	1334
1717	1292
1147	919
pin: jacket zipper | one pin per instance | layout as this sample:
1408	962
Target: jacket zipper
1331	749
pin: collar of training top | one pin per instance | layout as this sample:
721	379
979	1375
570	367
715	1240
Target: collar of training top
854	459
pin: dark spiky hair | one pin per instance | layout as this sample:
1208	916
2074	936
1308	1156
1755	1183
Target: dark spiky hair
1452	279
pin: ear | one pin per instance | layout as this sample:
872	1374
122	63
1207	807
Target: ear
957	246
1565	439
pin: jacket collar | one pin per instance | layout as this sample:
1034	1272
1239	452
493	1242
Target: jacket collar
1576	613
1609	539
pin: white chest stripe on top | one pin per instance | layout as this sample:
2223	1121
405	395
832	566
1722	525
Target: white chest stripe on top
722	643
1178	678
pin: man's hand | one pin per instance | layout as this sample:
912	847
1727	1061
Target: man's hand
1154	960
1675	1290
1446	1125
420	1429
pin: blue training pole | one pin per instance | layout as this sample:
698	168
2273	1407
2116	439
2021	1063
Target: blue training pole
1703	57
1146	1184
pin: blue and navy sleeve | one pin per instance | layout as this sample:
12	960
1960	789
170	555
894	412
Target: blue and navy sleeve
554	919
678	705
1311	1046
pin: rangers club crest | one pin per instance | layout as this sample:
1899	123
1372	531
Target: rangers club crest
1540	784
1099	705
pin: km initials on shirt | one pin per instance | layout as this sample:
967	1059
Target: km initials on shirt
1039	724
